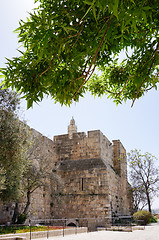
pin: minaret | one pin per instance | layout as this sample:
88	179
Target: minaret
72	128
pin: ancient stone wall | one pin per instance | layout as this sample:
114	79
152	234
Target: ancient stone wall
88	177
85	193
120	167
105	149
6	212
79	147
42	155
94	173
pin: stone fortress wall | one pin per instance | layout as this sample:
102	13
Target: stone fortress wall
92	177
40	150
95	174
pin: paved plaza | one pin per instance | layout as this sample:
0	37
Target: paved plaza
150	233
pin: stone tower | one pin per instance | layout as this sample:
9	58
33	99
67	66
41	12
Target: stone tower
94	174
72	128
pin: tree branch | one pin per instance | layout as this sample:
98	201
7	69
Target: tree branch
124	85
142	83
78	35
47	68
152	55
100	44
94	59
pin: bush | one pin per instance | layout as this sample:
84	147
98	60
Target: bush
142	217
21	218
153	219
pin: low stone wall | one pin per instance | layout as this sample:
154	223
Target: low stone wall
11	237
44	234
121	228
138	228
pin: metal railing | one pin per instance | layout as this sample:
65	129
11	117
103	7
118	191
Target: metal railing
54	227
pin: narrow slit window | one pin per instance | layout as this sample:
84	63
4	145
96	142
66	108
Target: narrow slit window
82	181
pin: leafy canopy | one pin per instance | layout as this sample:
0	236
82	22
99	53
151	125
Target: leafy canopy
66	40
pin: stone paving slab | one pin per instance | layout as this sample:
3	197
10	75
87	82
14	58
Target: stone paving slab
149	233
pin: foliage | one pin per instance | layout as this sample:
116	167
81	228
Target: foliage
6	230
38	172
144	176
26	170
65	41
9	101
38	228
12	161
142	217
153	219
24	229
21	218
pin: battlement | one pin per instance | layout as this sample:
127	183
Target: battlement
79	135
79	145
65	137
94	134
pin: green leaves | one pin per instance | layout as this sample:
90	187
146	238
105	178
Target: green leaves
65	41
12	136
115	7
29	103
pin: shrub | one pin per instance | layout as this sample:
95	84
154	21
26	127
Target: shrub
153	219
142	217
21	218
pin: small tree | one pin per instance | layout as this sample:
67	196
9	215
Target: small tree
139	198
37	174
144	176
12	161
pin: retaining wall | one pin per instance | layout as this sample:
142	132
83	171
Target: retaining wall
44	234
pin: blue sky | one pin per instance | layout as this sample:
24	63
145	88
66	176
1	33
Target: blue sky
136	127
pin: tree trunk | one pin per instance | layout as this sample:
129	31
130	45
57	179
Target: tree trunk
16	213
28	203
148	201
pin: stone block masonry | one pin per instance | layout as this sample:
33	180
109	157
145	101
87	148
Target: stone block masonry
92	177
94	172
